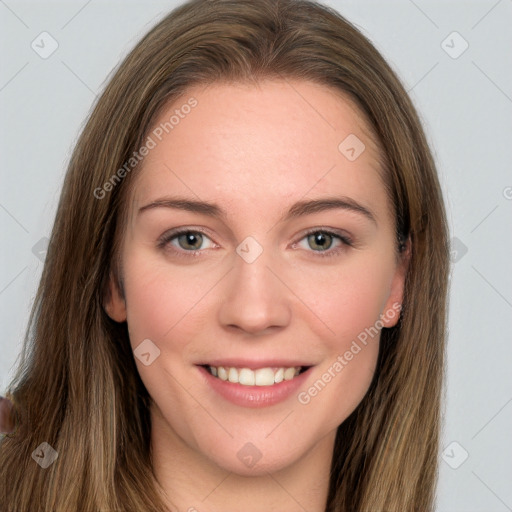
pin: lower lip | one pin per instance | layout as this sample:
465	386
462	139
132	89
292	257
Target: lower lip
254	396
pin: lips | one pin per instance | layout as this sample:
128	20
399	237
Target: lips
265	391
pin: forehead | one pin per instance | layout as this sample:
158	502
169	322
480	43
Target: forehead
257	147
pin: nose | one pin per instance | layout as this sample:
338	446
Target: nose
256	300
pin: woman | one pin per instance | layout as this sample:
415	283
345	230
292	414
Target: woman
257	370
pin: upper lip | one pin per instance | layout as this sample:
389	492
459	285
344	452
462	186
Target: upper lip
254	364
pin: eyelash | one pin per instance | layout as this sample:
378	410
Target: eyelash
166	238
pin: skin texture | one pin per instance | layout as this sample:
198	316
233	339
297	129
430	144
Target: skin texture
255	150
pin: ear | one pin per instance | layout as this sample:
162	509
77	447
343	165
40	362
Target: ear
114	303
391	312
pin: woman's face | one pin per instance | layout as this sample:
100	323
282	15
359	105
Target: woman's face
287	260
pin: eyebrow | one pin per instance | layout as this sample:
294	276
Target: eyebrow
298	209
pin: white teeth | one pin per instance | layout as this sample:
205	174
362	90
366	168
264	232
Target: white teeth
264	377
259	377
233	375
246	377
289	373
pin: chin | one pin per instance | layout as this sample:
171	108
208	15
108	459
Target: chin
249	461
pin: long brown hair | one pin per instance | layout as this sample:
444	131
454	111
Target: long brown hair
77	387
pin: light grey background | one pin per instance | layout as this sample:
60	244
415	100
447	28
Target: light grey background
465	100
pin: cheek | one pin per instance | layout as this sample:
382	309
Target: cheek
159	300
161	308
350	303
347	299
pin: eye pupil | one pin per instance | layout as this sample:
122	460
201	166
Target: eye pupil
320	239
193	239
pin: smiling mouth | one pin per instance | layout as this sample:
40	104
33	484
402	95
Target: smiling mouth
260	377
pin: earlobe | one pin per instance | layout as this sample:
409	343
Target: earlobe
114	304
394	304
